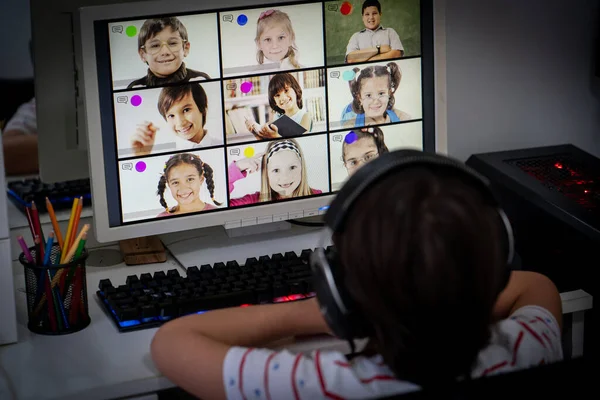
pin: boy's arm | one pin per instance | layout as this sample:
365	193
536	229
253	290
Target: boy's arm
527	288
361	55
190	350
386	53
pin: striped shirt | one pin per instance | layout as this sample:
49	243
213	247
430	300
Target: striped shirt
531	336
24	119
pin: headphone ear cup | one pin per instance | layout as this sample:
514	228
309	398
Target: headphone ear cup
324	285
337	306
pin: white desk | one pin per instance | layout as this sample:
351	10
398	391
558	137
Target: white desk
101	363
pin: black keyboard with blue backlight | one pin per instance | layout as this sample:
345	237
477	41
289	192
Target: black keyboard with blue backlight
149	300
61	194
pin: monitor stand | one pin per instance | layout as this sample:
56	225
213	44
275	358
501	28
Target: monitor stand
143	250
217	244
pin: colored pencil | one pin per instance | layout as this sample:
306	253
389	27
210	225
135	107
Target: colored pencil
54	221
76	221
75	245
48	251
70	228
39	256
25	249
78	252
35	215
30	222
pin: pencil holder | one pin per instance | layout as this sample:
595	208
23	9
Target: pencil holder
57	301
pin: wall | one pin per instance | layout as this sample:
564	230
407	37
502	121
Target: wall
520	74
15	31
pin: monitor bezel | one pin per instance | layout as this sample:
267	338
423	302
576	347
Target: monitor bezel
90	90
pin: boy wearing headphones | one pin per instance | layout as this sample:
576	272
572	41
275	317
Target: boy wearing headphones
429	286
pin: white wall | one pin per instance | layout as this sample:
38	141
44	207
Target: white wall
15	31
520	74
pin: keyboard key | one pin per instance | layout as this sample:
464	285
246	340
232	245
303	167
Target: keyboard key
104	284
173	273
131	279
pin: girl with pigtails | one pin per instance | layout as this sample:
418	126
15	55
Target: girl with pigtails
373	100
184	175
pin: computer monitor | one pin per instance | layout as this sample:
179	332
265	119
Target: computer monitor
239	113
62	138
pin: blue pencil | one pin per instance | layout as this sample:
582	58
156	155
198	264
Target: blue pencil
48	251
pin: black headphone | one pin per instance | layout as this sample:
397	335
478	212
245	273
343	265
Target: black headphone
337	306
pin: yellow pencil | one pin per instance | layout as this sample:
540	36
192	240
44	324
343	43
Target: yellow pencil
69	229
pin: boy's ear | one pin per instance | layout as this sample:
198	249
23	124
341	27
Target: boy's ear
142	54
186	49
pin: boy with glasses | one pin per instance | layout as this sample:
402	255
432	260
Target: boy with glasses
163	44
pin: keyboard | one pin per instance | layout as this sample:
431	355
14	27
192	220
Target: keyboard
149	300
61	194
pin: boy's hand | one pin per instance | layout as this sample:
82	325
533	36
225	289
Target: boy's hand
251	164
143	138
269	131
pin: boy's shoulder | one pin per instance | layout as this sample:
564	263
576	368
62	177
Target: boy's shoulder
531	336
192	74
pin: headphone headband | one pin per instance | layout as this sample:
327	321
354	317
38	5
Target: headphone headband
377	169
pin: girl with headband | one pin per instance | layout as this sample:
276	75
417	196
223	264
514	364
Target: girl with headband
283	173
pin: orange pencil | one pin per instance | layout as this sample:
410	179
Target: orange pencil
70	229
57	233
76	221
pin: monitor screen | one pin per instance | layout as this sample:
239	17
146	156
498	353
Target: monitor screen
213	114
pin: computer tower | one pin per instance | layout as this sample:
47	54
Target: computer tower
551	195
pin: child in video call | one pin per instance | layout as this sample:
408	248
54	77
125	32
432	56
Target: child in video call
184	175
361	146
422	256
275	40
375	42
184	108
373	90
283	173
162	45
285	98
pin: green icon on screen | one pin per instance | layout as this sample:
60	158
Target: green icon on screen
131	31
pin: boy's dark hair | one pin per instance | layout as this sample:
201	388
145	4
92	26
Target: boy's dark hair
391	70
278	83
371	3
170	95
186	158
372	132
152	27
427	272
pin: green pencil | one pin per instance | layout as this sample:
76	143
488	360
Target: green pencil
78	253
